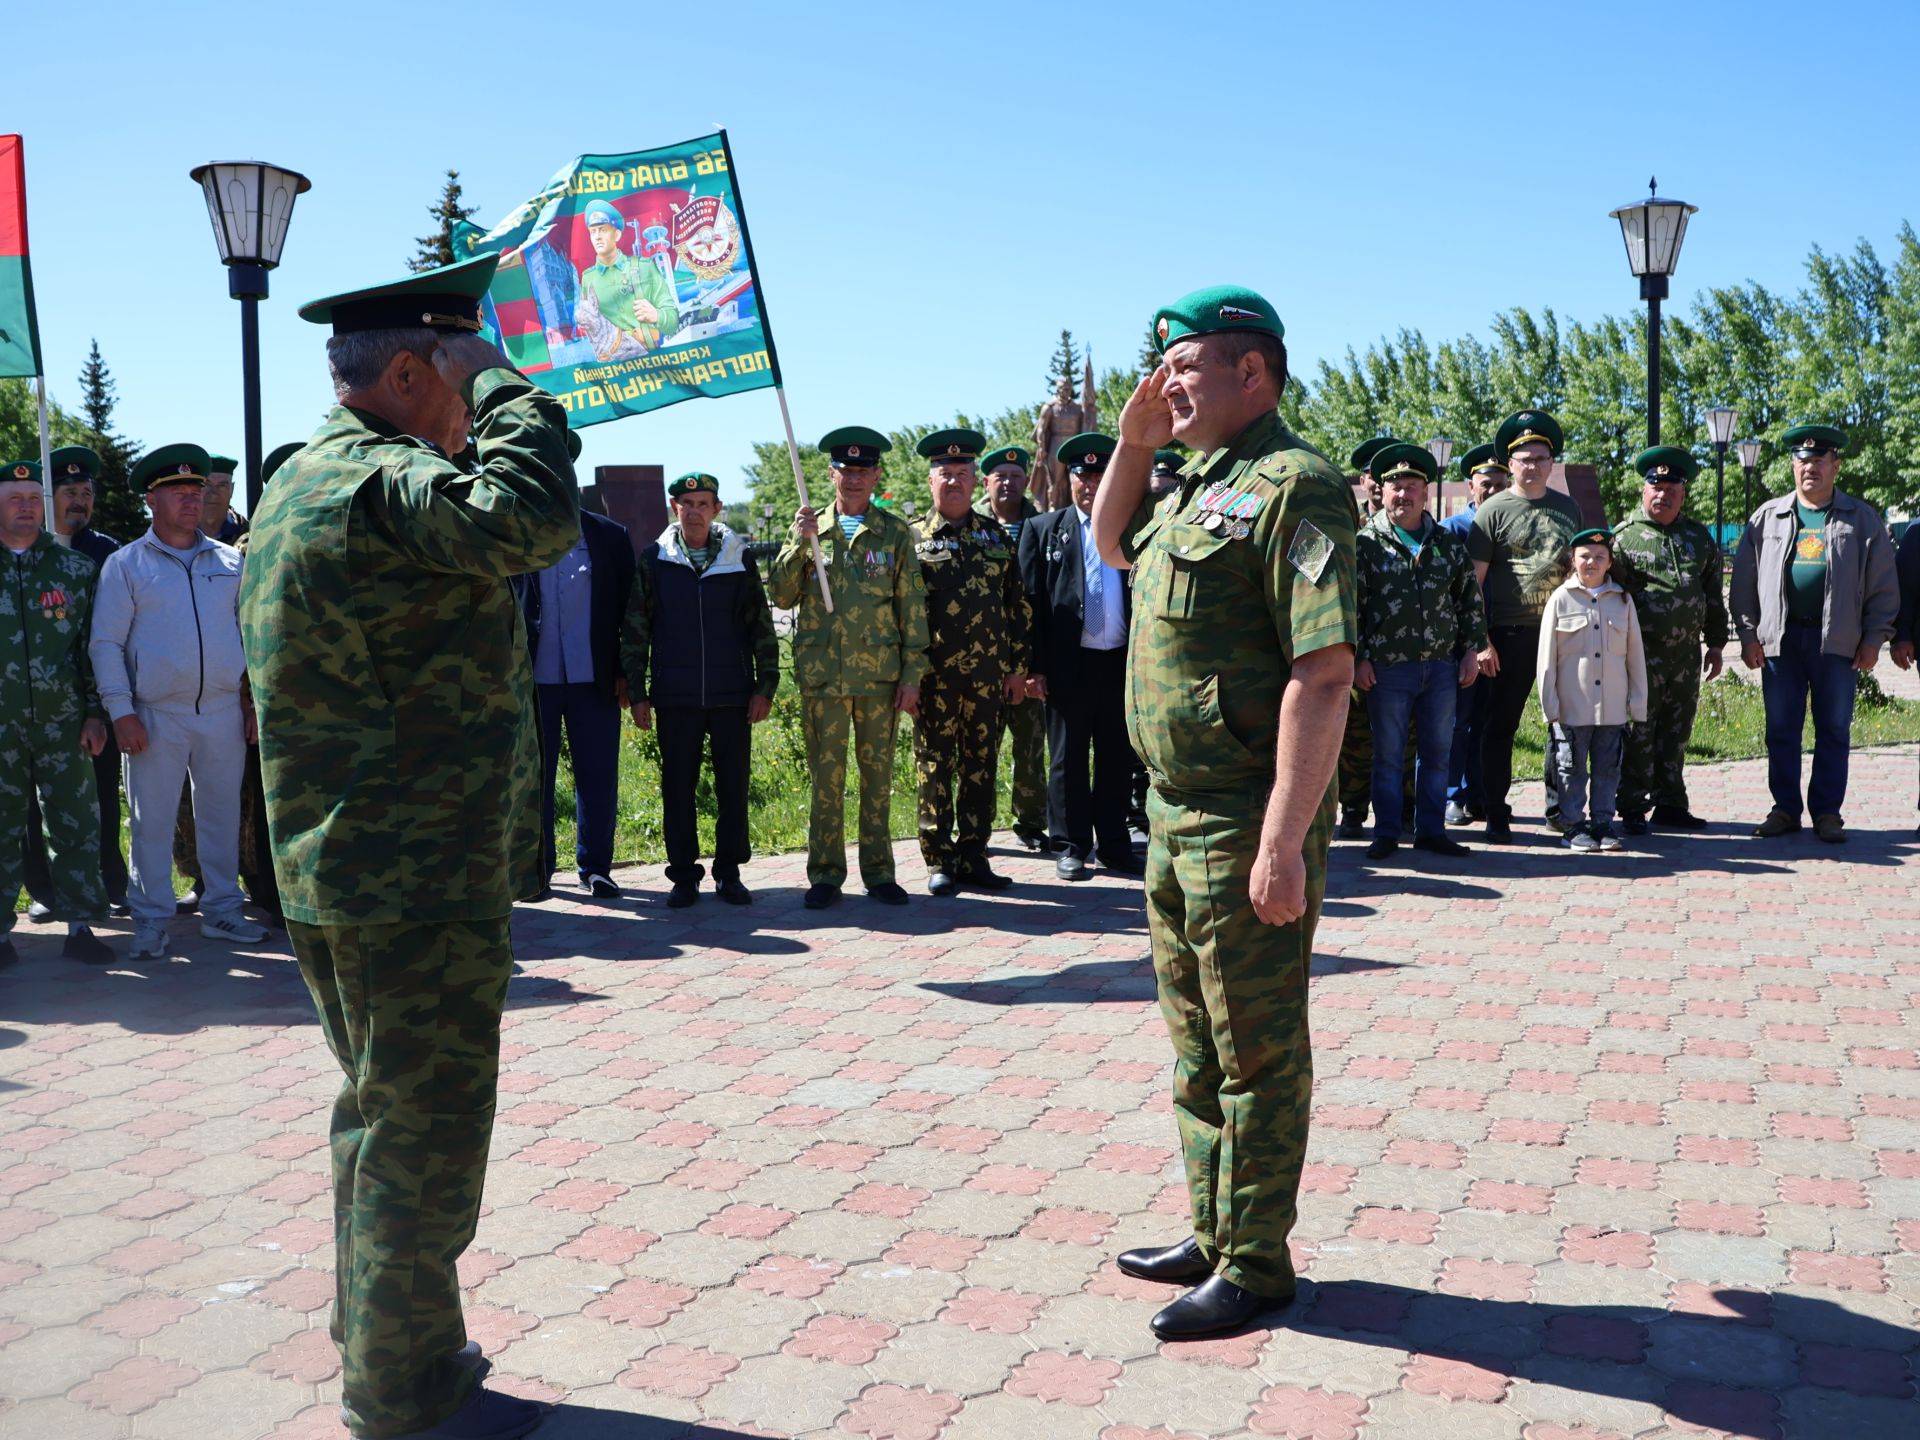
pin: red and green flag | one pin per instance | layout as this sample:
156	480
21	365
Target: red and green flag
19	330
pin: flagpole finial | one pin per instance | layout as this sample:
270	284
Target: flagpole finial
1653	185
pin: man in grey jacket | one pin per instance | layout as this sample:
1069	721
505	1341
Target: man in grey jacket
168	660
1814	598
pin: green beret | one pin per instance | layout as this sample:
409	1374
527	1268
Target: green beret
694	483
1362	457
1522	429
1826	437
1007	455
73	464
1213	310
170	465
951	445
1480	457
221	464
277	457
1088	450
854	445
1397	457
22	470
1169	461
446	299
1666	462
1592	535
600	212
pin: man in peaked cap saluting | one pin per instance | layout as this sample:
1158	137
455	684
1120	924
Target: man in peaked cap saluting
1008	472
399	756
1240	669
859	667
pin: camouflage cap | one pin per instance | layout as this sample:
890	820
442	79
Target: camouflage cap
170	465
1668	463
1087	451
21	472
221	464
1479	458
854	445
1816	438
1363	453
446	299
1399	458
1525	428
277	457
1212	310
1007	455
959	444
74	464
694	482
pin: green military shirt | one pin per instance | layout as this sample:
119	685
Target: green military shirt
978	618
1673	574
1221	614
616	287
1523	543
1416	607
46	604
386	660
876	638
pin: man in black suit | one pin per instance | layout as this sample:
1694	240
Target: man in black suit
574	613
1080	611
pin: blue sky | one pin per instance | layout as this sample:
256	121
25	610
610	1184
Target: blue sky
935	191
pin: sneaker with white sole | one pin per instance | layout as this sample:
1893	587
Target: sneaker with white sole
236	928
149	943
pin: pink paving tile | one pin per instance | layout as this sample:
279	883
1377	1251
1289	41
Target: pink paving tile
308	1358
1509	1198
1426	1154
1619	1174
1069	1227
679	1370
1240	1351
17	1221
747	1222
841	1339
641	1303
999	1312
1407	1227
1009	1180
607	1244
142	1257
292	1187
719	1176
1721	1302
1815	1190
302	1290
926	1250
1486	1279
580	1196
1317	1179
139	1316
894	1412
1315	1414
1838	1272
1073	1122
1592	1245
1716	1150
893	1202
297	1237
836	1155
135	1384
494	1328
792	1276
1452	1379
1063	1379
1136	1432
1130	1159
1516	1131
479	1265
556	1153
1719	1217
960	1139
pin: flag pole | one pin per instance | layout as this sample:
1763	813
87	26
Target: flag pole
800	484
46	464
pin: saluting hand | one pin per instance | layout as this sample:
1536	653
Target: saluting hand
1147	420
459	358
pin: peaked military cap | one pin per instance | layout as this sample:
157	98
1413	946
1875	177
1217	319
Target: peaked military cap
1592	535
1816	438
1397	458
1168	462
21	470
170	465
1362	457
1212	310
1525	428
694	483
599	212
446	299
73	464
854	445
951	445
221	464
1007	455
1089	450
1666	462
1480	457
277	457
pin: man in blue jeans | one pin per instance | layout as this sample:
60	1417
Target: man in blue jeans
1422	625
1814	597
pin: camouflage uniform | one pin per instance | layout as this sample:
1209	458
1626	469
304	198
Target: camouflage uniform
978	622
1673	574
399	759
848	666
1025	725
1217	625
46	694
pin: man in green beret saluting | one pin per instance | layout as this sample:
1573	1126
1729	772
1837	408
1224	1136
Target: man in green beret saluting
859	667
1241	665
399	755
1008	472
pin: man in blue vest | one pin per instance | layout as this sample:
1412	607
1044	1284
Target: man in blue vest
700	649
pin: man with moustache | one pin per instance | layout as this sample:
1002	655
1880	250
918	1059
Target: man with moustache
1008	473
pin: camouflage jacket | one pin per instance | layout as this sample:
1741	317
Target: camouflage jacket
978	619
1673	574
387	663
1424	607
876	638
1222	608
46	603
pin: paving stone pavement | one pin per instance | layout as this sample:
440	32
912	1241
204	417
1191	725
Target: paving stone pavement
1617	1145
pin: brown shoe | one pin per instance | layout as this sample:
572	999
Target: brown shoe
1777	823
1830	828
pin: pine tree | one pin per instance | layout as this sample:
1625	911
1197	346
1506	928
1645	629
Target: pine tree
116	509
1065	364
437	249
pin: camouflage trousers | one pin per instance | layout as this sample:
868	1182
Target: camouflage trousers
825	721
1026	728
60	774
1654	771
412	1013
1233	993
956	757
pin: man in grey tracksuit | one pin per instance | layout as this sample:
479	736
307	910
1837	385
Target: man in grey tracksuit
171	671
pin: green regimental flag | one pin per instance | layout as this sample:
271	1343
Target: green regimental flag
628	283
19	330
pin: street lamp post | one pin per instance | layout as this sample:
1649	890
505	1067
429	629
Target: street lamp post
1749	453
1653	230
250	204
1720	424
1441	448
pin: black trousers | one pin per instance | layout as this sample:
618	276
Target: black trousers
1091	763
684	733
592	720
1519	650
113	860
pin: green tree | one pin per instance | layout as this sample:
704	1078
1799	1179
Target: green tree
116	509
437	249
1065	365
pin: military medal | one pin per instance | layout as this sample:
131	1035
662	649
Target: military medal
1212	520
1241	530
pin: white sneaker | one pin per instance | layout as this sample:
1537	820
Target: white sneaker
237	928
149	943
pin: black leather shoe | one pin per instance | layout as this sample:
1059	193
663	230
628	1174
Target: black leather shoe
1634	824
941	882
1128	864
887	892
819	897
1381	849
683	894
487	1415
733	892
1440	845
1182	1264
1213	1306
1353	825
1499	829
87	947
1070	866
1676	817
977	874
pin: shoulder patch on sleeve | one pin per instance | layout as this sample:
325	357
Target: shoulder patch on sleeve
1310	551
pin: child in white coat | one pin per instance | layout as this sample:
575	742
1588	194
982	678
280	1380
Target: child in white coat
1593	682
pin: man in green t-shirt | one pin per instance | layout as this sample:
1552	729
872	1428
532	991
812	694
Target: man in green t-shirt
626	306
1518	545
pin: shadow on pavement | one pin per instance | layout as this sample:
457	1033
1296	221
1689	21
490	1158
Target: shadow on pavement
1095	982
583	1422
